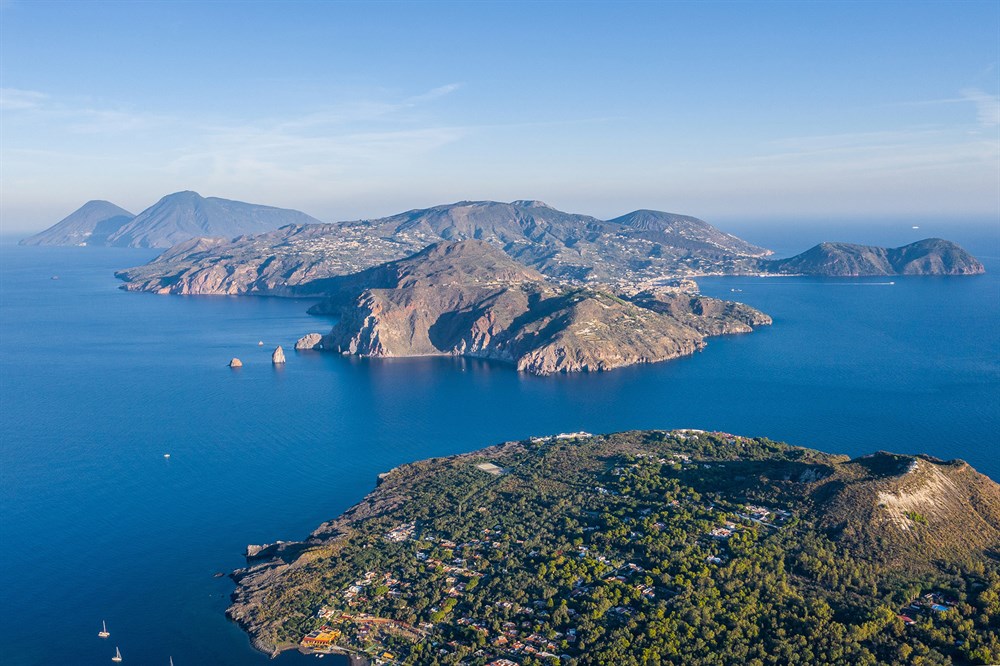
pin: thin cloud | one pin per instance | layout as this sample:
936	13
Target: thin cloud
14	99
987	106
434	93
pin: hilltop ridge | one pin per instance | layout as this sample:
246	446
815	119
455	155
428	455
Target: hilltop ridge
564	246
931	256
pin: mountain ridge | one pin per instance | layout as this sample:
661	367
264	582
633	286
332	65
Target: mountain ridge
565	246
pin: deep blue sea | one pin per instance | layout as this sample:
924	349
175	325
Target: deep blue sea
98	384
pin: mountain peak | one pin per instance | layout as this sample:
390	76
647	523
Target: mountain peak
90	224
184	215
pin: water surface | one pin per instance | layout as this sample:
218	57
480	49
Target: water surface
98	384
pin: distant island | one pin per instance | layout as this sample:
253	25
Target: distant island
634	249
932	256
173	219
673	546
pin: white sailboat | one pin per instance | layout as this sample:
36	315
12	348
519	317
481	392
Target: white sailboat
118	655
103	633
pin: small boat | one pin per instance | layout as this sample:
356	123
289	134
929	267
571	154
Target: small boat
166	455
54	277
103	633
118	655
260	343
915	226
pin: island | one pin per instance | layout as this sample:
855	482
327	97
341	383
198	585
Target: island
174	219
628	249
469	298
676	546
931	256
637	248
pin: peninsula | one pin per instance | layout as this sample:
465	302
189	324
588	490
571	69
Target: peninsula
672	546
471	299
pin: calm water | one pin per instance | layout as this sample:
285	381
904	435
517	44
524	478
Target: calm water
97	384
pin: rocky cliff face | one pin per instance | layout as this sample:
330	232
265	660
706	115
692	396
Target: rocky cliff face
470	299
932	256
309	341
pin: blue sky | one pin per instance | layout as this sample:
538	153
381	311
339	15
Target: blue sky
725	111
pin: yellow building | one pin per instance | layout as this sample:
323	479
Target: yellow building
319	638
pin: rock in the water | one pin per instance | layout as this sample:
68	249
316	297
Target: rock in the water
236	363
310	341
278	356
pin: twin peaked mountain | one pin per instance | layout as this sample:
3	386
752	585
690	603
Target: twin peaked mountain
174	218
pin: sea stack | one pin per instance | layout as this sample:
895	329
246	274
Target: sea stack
278	356
236	363
309	341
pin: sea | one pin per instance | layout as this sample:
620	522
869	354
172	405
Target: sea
98	386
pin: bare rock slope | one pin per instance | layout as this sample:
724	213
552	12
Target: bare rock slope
469	298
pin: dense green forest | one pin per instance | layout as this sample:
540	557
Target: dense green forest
653	548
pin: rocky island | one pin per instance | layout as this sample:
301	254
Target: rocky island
90	224
175	218
644	547
932	256
628	249
633	249
469	298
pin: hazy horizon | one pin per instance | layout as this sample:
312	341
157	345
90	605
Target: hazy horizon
351	110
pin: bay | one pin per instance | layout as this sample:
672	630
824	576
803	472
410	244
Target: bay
97	384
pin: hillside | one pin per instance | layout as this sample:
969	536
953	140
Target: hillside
181	216
90	224
469	298
631	248
932	256
645	547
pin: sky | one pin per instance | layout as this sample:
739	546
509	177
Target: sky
725	111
